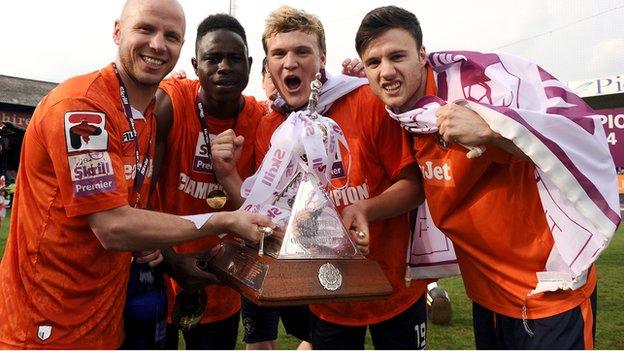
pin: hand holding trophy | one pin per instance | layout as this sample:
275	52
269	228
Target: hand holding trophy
309	256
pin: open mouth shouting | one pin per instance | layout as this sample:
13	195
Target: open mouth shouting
292	83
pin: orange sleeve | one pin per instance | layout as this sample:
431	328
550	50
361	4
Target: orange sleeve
84	148
176	89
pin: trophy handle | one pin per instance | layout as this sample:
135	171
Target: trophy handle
315	90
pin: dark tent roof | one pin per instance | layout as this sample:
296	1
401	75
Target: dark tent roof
23	92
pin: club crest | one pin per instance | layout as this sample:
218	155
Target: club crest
85	131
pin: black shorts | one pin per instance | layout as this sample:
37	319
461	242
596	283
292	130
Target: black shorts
405	331
260	323
218	335
574	329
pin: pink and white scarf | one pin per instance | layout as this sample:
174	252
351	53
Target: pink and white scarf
562	136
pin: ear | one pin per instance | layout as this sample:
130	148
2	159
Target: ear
323	59
422	55
194	64
249	61
117	32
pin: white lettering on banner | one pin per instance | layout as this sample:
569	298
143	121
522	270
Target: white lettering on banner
349	195
196	189
611	121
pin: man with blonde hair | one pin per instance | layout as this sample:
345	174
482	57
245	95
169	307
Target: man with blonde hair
374	186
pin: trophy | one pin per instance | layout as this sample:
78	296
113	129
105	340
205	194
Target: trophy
310	257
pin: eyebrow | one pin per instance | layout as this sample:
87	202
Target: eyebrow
298	47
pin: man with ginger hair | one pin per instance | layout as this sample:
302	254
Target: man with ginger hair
381	163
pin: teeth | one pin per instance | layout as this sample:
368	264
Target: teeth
153	61
392	86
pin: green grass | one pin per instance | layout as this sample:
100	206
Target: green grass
458	335
4	231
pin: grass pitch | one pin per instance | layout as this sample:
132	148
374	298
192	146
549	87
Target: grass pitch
458	335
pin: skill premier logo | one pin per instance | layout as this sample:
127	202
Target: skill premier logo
85	131
201	160
91	173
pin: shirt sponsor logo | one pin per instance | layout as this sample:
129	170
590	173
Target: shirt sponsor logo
91	173
338	169
437	172
349	195
201	160
85	131
196	189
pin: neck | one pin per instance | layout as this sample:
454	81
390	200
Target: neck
140	95
222	109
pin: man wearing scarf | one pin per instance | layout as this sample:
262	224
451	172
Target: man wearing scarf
373	181
516	172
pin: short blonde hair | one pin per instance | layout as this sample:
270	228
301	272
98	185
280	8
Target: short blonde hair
287	19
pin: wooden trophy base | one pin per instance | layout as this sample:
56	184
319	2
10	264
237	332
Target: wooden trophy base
267	281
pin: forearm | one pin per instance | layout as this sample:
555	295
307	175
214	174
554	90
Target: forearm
404	195
232	187
401	197
127	228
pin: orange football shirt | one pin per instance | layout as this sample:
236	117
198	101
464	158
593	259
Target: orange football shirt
379	151
60	288
490	208
187	176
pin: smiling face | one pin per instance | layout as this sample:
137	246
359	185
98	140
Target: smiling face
150	35
222	64
395	69
293	60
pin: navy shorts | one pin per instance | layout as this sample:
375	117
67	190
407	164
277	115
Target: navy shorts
574	329
260	323
218	335
405	331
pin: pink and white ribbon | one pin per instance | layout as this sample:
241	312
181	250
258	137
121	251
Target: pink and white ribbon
302	143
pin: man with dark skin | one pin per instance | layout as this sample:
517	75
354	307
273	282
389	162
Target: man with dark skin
199	121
